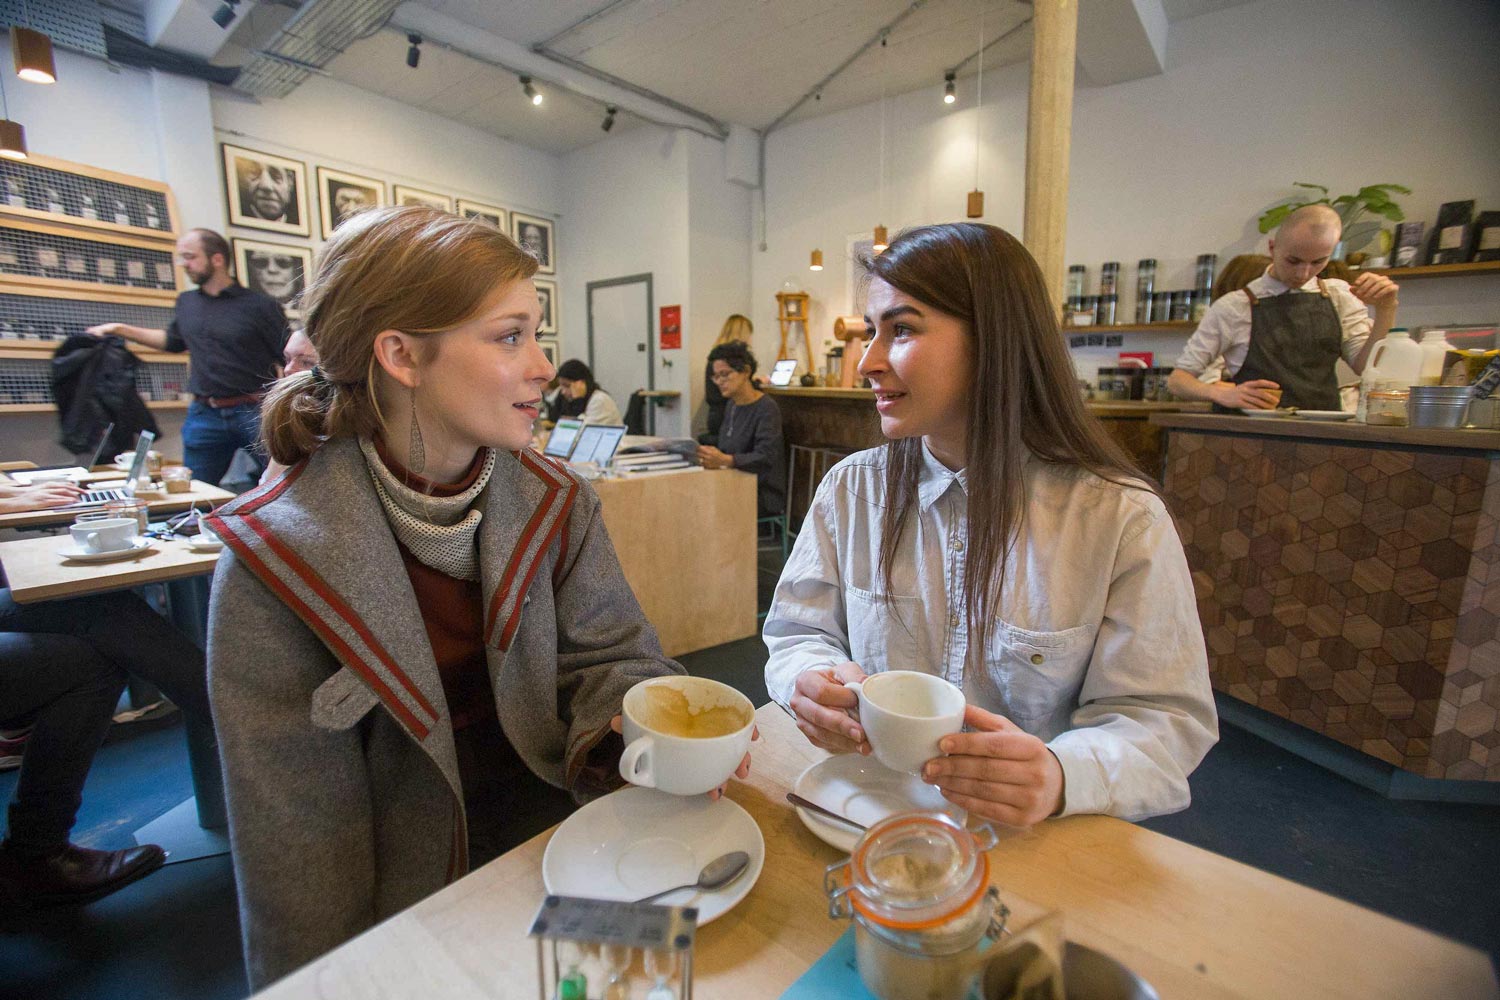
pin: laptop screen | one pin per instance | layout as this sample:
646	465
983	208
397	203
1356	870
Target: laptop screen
142	450
597	443
560	443
781	371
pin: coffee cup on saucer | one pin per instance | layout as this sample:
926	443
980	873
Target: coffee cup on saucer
108	534
905	713
684	735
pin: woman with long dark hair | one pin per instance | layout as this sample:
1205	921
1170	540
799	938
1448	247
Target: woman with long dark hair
1002	541
582	396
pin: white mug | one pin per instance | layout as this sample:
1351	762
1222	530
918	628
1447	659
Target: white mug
107	534
684	735
905	713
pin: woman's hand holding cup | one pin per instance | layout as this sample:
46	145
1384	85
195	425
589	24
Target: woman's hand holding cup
998	771
822	706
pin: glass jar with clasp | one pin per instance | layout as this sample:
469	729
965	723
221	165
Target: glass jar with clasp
917	888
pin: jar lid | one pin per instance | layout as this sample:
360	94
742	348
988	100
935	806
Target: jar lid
1392	395
914	871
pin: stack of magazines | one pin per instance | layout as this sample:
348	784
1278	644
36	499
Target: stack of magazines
665	456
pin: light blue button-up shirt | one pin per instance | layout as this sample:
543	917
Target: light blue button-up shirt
1097	649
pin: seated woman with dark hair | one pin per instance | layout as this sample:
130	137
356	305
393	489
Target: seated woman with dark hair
750	436
582	396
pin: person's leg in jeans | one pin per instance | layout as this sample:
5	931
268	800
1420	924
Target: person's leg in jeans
247	428
69	693
208	443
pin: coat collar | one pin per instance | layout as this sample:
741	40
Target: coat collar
319	539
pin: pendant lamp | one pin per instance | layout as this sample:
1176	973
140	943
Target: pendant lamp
816	263
882	239
975	208
12	134
33	54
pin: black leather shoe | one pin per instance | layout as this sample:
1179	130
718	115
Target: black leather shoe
72	874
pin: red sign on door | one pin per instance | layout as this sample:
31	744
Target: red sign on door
671	328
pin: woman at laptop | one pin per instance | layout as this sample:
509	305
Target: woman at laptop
582	395
1002	541
420	635
750	434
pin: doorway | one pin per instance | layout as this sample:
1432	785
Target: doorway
622	354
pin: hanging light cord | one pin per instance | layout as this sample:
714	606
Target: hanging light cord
978	100
884	63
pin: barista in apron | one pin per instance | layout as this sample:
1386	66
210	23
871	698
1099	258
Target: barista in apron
1295	341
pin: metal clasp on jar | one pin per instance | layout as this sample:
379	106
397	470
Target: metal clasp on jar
836	884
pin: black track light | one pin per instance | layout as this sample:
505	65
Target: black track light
949	91
531	92
609	117
226	13
413	54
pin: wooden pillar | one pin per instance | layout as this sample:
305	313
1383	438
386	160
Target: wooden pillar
1049	127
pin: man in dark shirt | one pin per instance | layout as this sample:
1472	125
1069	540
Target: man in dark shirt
235	336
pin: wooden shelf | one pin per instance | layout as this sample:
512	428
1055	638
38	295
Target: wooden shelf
1441	270
48	347
155	404
167	404
1172	326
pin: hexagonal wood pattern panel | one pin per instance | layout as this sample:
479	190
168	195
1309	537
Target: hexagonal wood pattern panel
1355	591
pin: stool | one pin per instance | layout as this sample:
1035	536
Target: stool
820	458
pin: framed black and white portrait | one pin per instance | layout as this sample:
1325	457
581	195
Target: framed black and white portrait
546	293
275	269
535	236
495	216
411	196
342	196
550	348
264	191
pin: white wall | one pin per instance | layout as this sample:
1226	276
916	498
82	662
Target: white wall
626	203
1340	92
718	254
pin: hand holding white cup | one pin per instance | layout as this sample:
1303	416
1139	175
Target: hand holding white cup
905	713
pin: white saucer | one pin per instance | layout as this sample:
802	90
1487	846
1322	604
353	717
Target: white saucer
79	555
1282	412
638	841
866	791
1325	415
201	543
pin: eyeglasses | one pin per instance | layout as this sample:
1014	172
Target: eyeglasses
721	376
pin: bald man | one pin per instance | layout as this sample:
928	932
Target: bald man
1282	335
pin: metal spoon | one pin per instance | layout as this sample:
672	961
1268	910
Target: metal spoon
715	875
798	800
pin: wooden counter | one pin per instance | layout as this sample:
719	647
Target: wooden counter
846	419
1348	579
686	541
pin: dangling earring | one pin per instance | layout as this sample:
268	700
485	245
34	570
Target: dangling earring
416	454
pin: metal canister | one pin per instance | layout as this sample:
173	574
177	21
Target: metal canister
1145	284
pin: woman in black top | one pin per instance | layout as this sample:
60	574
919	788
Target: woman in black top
750	437
736	328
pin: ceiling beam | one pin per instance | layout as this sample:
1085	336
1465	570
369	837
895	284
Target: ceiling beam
1120	40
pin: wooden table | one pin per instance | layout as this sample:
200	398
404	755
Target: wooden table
36	571
686	541
1192	923
201	494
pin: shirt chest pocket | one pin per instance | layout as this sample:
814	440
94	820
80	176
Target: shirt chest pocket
883	631
1039	674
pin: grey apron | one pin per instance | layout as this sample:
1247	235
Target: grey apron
1295	341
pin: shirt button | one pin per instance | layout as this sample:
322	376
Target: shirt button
1036	658
958	546
953	620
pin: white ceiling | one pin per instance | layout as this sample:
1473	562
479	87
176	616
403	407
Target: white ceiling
743	62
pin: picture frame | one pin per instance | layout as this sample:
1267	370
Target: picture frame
342	195
546	292
493	214
403	195
280	270
552	349
536	236
265	191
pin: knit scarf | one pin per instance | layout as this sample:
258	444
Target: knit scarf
439	531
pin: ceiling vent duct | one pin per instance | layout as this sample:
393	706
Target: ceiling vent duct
316	35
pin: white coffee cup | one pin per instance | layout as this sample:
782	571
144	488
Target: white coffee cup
684	735
107	534
905	713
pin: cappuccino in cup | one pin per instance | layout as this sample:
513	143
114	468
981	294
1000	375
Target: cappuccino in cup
684	735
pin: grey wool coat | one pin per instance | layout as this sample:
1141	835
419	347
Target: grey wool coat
345	804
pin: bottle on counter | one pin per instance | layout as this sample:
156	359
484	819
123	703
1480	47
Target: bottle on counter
1207	264
1394	364
1104	313
1181	305
1077	280
1145	285
1109	278
1161	307
1435	348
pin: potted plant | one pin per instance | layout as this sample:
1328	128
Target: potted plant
1374	199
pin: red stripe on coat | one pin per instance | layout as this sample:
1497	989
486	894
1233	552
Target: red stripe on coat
515	616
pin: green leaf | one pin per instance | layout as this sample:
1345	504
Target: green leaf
1315	187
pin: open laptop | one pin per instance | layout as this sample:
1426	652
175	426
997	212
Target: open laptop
98	497
27	477
782	371
564	436
597	443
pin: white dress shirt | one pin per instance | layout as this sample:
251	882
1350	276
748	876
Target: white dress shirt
601	409
1098	648
1225	329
